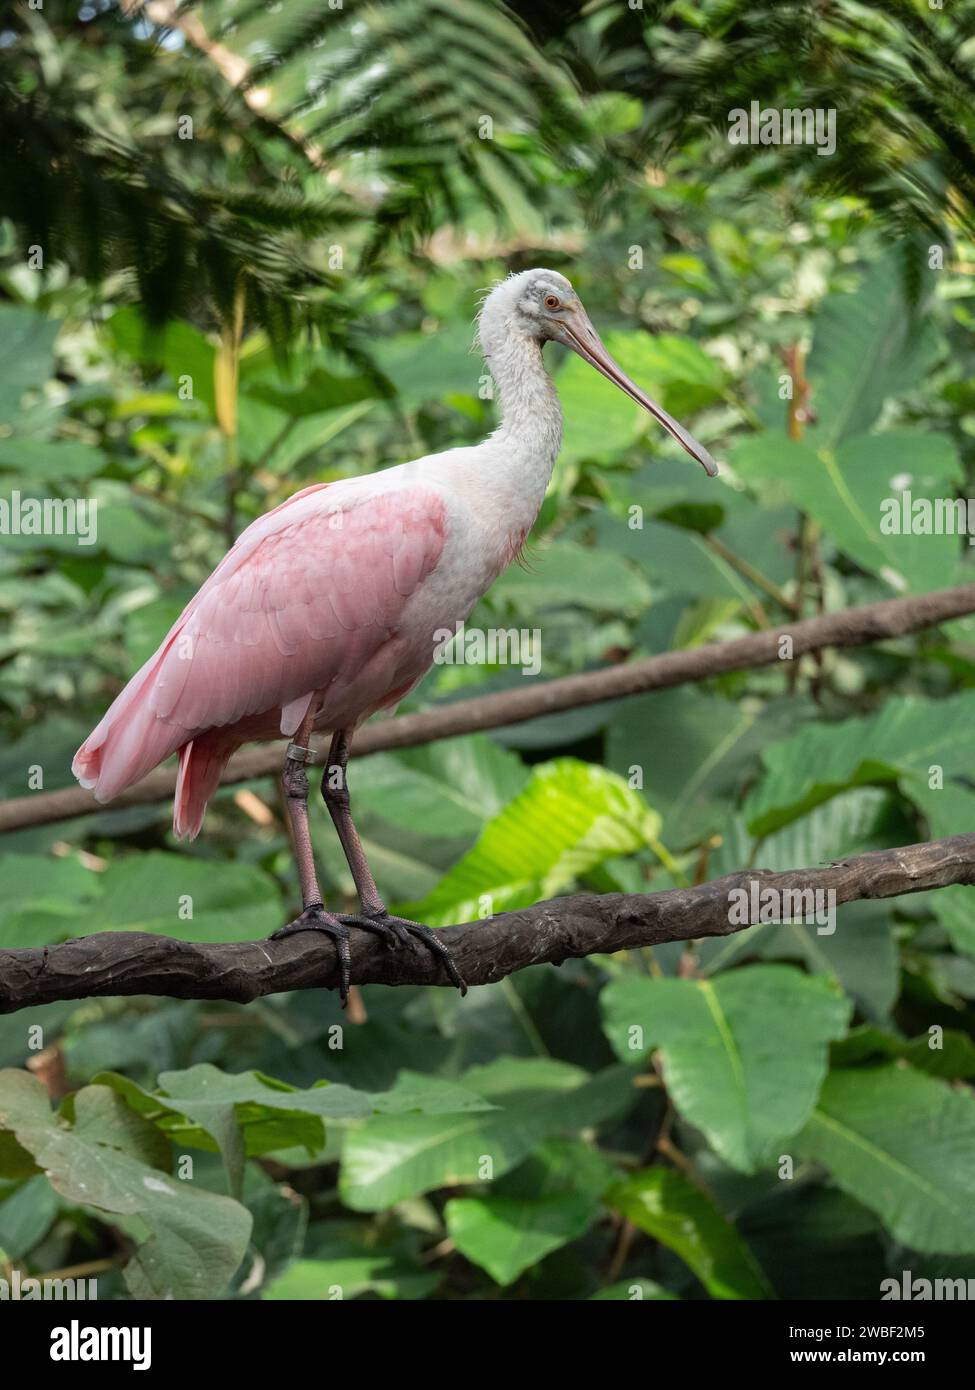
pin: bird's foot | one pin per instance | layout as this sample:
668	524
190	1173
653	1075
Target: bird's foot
400	931
316	918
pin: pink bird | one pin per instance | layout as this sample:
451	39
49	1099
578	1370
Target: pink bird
325	610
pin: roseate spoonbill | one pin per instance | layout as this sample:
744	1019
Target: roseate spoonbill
324	611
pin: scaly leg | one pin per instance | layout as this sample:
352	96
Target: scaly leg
374	915
314	916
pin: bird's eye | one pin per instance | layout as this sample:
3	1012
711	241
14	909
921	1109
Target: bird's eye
552	301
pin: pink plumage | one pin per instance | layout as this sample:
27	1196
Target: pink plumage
306	604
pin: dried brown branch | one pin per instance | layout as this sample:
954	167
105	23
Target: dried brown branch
852	627
116	963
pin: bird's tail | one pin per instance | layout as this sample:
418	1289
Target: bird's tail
129	741
201	763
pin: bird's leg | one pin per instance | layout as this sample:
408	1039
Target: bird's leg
314	916
374	915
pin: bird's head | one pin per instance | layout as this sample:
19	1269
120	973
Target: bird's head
542	305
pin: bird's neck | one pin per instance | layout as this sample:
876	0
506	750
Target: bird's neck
530	432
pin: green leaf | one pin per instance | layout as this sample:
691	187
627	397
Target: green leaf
240	1114
26	354
571	817
677	559
672	1210
851	491
954	908
695	751
862	819
506	1236
147	626
906	736
321	390
900	1143
26	1215
449	788
428	366
547	1201
178	895
563	573
743	1056
944	1052
347	1275
179	348
946	808
191	1240
43	460
861	953
867	347
430	1095
390	1157
43	898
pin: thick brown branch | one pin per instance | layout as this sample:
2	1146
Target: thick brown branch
114	963
852	627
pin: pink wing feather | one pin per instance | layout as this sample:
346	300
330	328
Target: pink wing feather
307	598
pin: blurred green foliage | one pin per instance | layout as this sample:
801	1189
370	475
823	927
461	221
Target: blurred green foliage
779	1113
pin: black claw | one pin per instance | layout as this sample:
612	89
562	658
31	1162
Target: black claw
400	931
370	924
315	918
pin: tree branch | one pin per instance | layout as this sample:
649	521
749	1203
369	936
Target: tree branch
851	627
117	963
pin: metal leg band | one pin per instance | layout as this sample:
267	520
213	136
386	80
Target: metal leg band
297	754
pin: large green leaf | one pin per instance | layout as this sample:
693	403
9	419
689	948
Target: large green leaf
26	354
42	460
449	788
846	491
348	1276
563	573
428	366
240	1114
743	1056
902	1144
345	1259
548	1201
104	1156
860	954
954	908
42	898
949	809
182	350
672	1210
908	735
390	1157
173	894
677	559
319	390
26	1214
694	751
570	818
507	1235
948	1053
861	819
867	347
